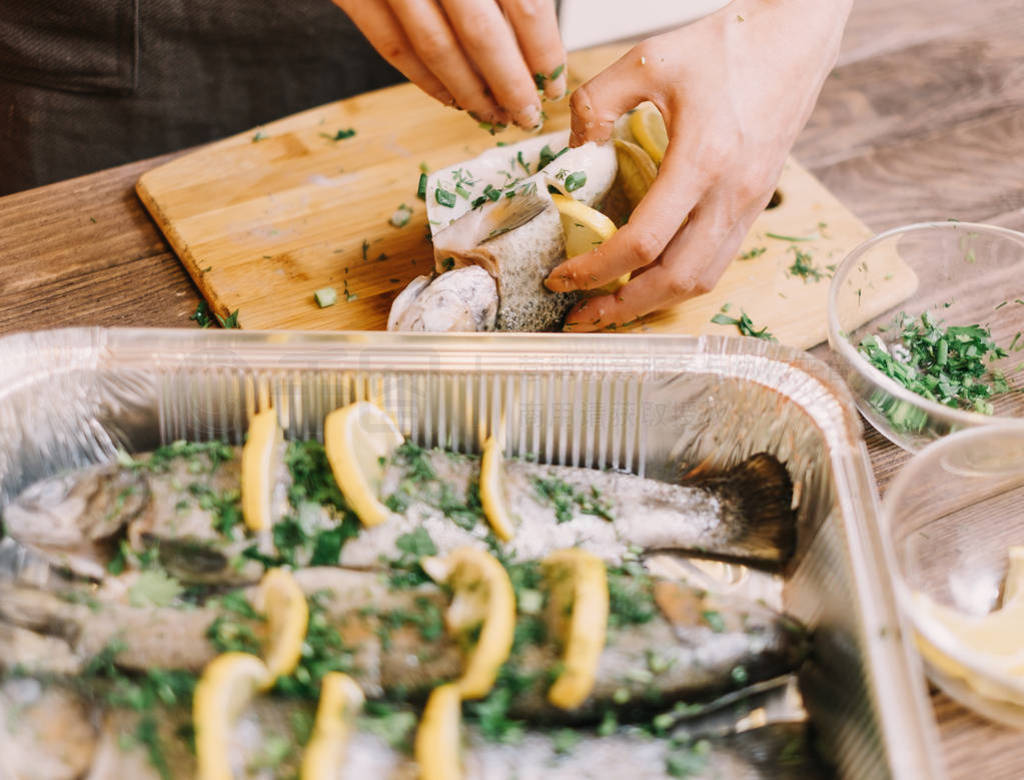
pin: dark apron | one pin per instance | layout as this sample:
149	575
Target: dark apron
88	84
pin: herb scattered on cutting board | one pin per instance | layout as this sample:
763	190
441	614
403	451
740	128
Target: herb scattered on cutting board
340	135
401	216
803	266
326	296
743	324
945	364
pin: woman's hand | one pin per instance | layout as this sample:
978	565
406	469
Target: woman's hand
735	89
489	57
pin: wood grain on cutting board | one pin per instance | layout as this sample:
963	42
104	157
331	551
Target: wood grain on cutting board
263	219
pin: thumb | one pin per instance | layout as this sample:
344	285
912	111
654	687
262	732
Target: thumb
597	104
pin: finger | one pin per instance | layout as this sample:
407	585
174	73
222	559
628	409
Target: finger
597	104
488	40
434	41
653	223
379	25
535	24
693	262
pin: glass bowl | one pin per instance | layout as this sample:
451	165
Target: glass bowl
962	274
951	516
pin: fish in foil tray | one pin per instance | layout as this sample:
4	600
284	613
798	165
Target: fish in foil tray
369	608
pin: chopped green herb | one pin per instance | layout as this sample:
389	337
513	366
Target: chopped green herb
575	180
154	588
948	365
444	197
201	316
755	252
401	216
339	135
231	321
803	266
326	296
779	237
744	324
448	263
421	188
259	136
714	620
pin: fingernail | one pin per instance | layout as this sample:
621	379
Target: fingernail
556	89
529	117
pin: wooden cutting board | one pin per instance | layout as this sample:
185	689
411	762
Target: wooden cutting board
263	219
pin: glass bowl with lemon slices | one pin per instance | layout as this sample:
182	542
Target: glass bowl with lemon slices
926	326
955	519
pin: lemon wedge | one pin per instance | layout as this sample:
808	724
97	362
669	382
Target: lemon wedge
437	738
281	599
585	228
648	128
492	491
259	457
636	173
228	684
995	640
578	616
482	596
360	439
340	701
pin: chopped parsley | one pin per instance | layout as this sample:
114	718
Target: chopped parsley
444	197
744	324
547	156
231	321
575	180
421	188
945	364
754	252
803	266
340	135
563	497
201	316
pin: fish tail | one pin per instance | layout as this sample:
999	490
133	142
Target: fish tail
760	497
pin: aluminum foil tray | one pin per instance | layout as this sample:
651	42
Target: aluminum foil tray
650	404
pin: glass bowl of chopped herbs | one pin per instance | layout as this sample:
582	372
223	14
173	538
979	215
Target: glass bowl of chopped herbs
926	325
954	519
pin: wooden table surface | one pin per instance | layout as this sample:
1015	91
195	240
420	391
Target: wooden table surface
922	118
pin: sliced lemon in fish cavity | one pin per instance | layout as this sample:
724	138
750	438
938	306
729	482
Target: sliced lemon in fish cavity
341	699
493	497
482	598
260	460
282	601
578	616
648	128
360	440
585	228
437	738
229	683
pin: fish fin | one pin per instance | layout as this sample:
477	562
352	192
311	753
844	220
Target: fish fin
761	491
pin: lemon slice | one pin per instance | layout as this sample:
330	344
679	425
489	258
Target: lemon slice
636	173
340	702
585	228
648	128
437	738
281	599
359	439
482	597
259	457
578	616
995	640
492	491
228	684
